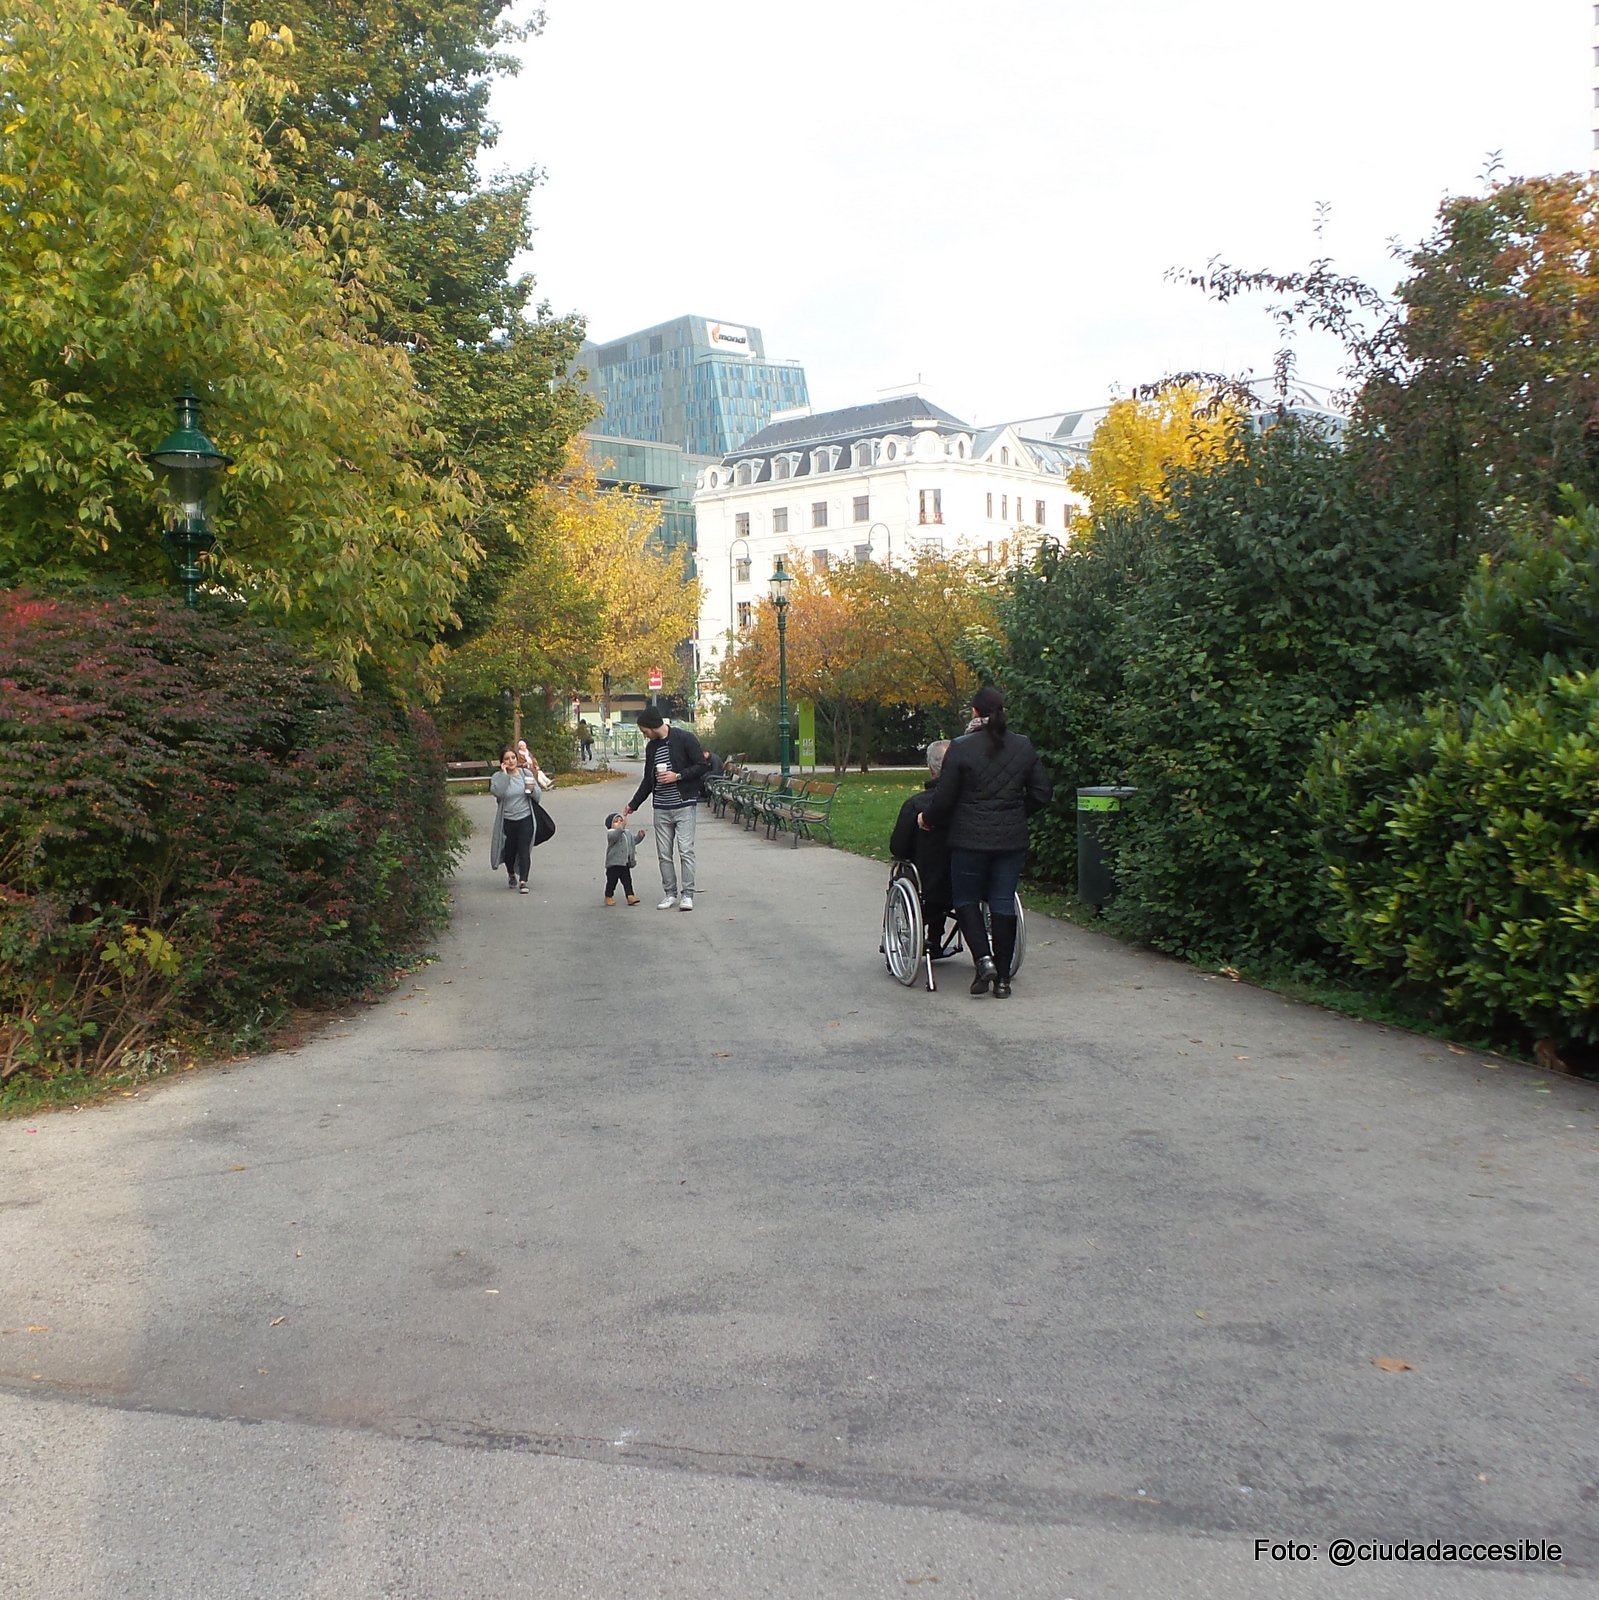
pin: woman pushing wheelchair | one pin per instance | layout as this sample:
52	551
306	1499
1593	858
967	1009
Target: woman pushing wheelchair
992	782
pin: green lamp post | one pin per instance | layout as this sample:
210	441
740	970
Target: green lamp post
778	588
189	466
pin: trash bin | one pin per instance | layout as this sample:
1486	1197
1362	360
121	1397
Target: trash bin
1097	809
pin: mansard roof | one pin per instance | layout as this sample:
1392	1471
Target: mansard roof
903	413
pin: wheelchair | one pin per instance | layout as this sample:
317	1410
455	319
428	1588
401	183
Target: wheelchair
910	947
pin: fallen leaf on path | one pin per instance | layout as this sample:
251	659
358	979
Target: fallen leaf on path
722	1054
236	1169
1455	1050
278	1321
1391	1364
1230	972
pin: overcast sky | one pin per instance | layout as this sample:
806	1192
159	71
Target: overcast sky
987	197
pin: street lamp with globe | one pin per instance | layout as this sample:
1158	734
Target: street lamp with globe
778	589
189	466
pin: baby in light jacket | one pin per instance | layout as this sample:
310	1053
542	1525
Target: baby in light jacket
620	858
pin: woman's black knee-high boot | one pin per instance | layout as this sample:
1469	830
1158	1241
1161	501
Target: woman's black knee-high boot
1004	951
975	932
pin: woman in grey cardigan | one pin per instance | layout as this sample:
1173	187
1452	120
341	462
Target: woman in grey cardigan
514	787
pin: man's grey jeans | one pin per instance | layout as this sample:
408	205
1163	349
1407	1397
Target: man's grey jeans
678	825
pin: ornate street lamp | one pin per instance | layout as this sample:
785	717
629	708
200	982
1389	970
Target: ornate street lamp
189	466
888	541
778	589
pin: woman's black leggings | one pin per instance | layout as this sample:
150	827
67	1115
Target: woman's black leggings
517	854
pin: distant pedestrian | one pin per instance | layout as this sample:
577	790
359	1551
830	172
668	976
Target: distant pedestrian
674	771
715	763
620	858
585	740
991	784
514	788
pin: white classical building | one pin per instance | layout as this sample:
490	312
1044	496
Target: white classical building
878	482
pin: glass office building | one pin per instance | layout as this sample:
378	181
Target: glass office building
662	471
702	385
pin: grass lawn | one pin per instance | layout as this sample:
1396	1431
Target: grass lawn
864	812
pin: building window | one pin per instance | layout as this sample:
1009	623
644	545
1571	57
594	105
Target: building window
743	615
818	513
741	524
1004	455
863	508
1066	515
1004	508
990	505
931	506
779	466
1038	512
863	552
820	561
741	569
779	519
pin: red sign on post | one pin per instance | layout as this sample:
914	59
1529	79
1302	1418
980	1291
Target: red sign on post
655	679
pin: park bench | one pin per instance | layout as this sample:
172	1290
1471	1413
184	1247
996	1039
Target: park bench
749	802
721	787
811	812
777	804
469	771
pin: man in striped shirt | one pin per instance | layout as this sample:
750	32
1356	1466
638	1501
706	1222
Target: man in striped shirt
674	772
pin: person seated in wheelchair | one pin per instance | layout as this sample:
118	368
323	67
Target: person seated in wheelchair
927	851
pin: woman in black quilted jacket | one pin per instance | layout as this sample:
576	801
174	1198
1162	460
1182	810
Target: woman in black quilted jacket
991	784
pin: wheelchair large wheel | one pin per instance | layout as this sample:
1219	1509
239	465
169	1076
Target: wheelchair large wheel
902	931
1021	935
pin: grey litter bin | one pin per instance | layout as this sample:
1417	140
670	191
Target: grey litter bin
1097	810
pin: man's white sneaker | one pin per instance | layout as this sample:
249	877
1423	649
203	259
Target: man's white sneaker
686	903
667	903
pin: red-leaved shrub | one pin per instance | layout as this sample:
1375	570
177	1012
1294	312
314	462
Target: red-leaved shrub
197	828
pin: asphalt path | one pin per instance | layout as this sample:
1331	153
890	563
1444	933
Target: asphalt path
625	1252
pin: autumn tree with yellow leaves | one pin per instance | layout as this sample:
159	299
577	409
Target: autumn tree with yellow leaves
594	603
1142	442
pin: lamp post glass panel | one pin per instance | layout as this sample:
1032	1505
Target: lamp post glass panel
888	541
778	588
189	466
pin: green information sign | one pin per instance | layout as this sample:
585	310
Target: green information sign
807	733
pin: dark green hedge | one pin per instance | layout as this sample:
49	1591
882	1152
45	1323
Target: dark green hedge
197	829
1196	649
1463	833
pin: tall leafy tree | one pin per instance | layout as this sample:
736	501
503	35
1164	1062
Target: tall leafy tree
134	259
376	144
594	600
1474	383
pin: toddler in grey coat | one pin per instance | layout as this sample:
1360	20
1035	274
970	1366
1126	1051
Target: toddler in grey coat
620	857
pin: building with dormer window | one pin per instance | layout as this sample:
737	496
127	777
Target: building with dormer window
879	482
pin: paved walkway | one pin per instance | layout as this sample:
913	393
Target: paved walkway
638	1253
